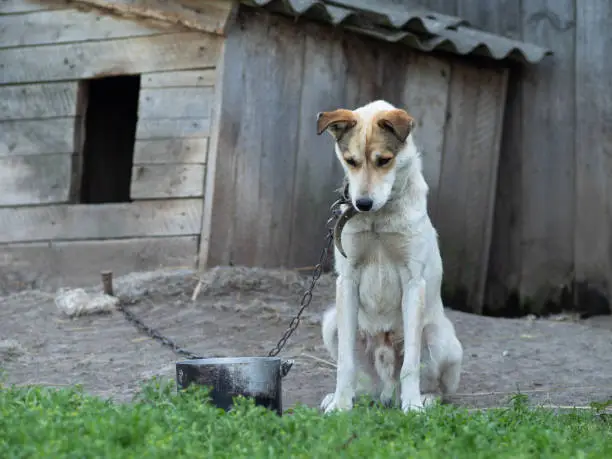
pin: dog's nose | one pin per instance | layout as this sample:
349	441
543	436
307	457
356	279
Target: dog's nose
364	204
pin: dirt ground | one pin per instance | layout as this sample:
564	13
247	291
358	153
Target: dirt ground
243	312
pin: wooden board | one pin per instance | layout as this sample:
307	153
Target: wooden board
442	6
79	263
38	100
278	101
425	96
177	217
109	57
454	178
171	128
155	181
501	17
250	219
212	157
505	252
202	15
363	72
318	171
237	126
176	103
34	137
181	78
171	151
71	25
482	160
593	218
26	6
469	180
505	18
35	179
547	151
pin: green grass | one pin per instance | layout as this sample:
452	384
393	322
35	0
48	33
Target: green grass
39	422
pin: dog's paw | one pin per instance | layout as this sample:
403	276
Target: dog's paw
429	399
332	403
412	404
327	401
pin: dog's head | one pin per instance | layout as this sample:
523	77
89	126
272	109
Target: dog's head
372	143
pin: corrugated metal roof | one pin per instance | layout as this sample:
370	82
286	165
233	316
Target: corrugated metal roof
413	25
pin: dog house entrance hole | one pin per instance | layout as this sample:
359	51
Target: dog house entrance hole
109	131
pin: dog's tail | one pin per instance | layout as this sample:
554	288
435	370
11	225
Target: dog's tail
329	326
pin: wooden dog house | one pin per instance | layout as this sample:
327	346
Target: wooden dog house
137	134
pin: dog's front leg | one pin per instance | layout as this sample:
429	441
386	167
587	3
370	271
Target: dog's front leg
347	310
413	305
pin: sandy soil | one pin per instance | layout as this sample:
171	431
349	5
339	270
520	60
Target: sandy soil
244	311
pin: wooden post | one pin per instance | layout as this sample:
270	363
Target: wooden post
107	282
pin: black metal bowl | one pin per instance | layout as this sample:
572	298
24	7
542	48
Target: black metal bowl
259	378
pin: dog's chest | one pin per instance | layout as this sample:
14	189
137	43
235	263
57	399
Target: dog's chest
376	241
378	254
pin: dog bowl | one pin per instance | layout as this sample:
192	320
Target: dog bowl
259	378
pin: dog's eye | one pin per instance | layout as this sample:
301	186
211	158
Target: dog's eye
351	162
382	161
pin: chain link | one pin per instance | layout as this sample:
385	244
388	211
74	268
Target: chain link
293	325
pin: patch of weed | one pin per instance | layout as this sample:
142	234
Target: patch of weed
37	422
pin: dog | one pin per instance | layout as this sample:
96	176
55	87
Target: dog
388	322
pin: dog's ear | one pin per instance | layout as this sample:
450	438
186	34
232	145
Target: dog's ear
337	122
397	122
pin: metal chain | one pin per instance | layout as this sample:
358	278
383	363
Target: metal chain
293	325
307	296
152	333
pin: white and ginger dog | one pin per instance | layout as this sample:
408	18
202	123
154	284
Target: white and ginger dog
388	321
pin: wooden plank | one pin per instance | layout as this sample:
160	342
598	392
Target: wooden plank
466	204
548	193
78	263
34	137
425	96
203	15
154	181
176	103
505	253
71	25
363	76
455	178
481	158
593	149
177	217
109	57
277	83
171	151
318	173
235	212
26	6
441	6
38	100
181	78
171	128
504	17
212	174
34	179
501	17
249	213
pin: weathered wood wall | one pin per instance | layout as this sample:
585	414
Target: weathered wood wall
275	178
46	49
552	243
